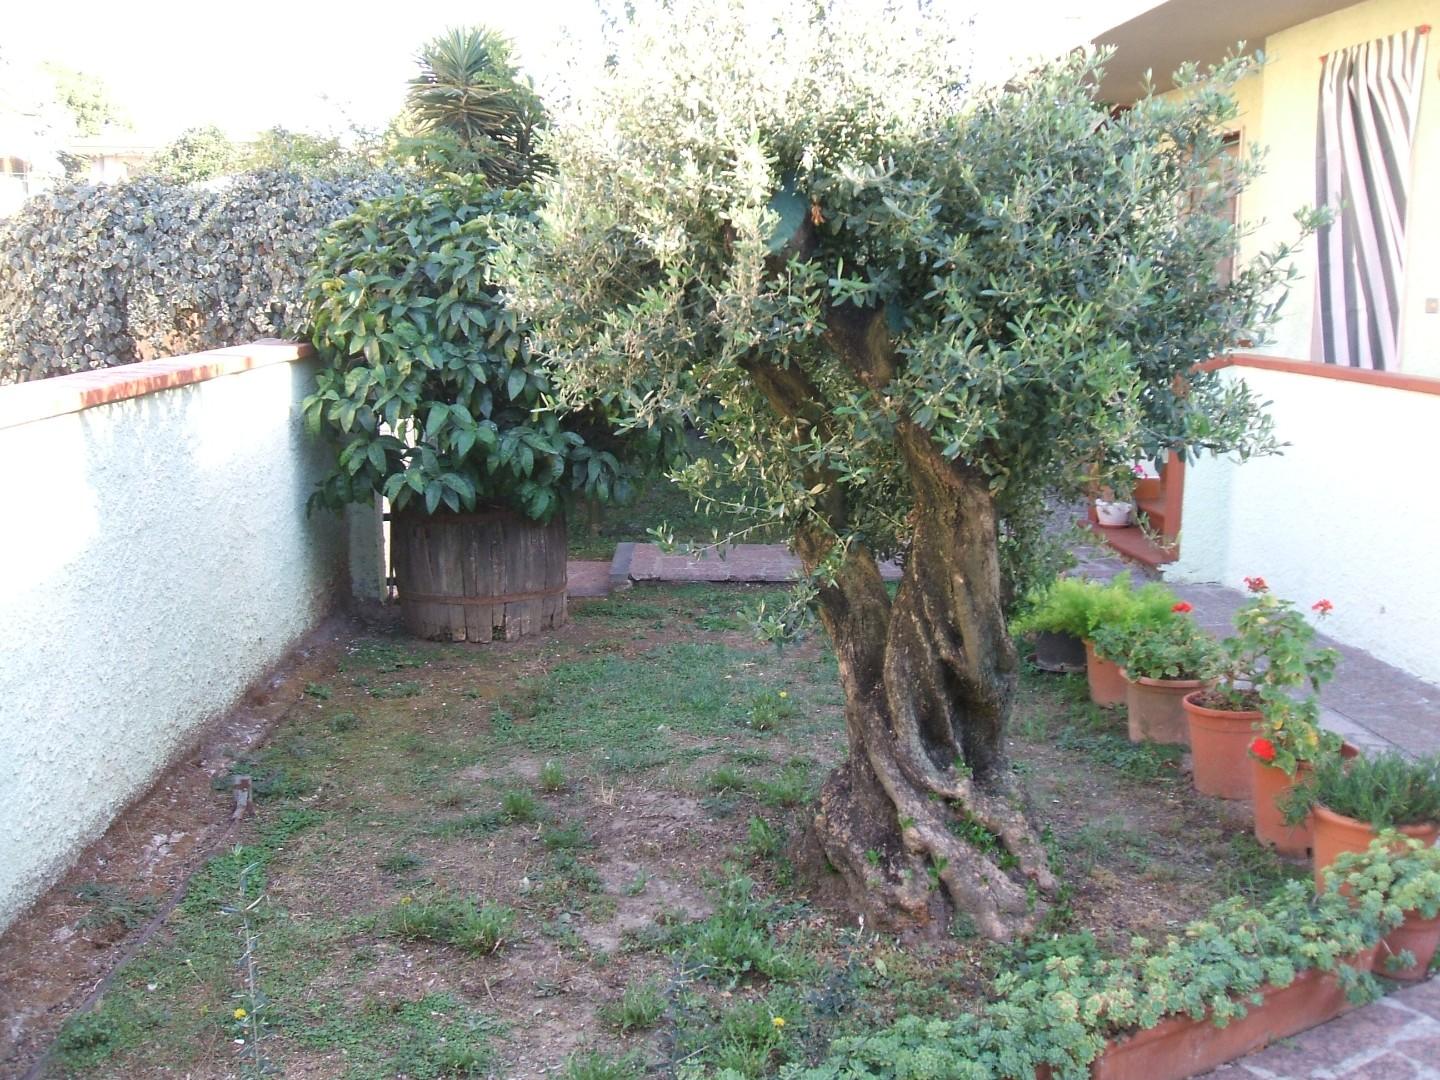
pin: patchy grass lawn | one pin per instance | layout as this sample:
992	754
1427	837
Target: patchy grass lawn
568	856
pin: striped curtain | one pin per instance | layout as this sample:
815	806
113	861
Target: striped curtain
1369	100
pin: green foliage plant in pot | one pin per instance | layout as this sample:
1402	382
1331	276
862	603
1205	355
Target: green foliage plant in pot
1058	617
1258	727
1120	604
1402	874
1077	607
1351	800
1162	660
433	395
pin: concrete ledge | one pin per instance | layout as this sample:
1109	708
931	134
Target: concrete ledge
26	402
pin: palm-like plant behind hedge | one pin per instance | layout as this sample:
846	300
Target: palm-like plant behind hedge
468	93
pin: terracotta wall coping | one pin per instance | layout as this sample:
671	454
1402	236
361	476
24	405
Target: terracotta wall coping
26	402
1391	380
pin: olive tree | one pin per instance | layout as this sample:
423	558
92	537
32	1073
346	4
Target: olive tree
910	307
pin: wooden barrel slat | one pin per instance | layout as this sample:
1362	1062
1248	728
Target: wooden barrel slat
448	566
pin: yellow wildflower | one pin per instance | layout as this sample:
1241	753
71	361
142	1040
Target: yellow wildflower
784	693
778	1021
240	1014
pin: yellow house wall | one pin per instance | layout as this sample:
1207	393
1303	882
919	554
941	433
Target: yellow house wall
1279	111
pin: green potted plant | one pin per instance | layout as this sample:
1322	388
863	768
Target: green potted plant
1079	607
1265	667
431	392
1402	875
1056	618
1162	660
1351	800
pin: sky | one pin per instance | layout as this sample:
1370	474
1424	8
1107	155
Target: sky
325	66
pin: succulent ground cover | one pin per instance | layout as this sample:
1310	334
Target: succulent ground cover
577	855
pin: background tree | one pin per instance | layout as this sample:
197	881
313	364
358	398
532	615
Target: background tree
200	153
919	309
87	100
472	109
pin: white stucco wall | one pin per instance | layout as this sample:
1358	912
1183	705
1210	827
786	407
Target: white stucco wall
1348	513
158	558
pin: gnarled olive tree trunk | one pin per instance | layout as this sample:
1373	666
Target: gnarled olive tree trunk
923	818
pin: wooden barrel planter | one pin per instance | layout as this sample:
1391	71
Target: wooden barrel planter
479	577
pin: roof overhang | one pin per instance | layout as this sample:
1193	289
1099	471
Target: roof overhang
1164	37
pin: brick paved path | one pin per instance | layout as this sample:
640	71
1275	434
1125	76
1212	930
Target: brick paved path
1397	1038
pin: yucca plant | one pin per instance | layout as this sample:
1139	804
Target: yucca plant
473	109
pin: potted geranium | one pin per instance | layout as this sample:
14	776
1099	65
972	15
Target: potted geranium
1402	875
1351	800
1162	661
1269	675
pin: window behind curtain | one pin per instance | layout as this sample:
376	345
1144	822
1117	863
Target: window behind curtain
1369	100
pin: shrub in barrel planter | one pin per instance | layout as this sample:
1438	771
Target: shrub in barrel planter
432	392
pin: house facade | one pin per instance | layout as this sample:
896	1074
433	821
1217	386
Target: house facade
1347	106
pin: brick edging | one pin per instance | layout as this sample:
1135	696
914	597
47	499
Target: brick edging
26	402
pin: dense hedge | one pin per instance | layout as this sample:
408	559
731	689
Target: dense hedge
98	275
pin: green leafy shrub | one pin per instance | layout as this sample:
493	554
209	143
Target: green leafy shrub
1386	790
1080	607
92	276
430	386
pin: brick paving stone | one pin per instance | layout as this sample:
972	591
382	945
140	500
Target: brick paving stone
1424	998
1390	1066
1423	1048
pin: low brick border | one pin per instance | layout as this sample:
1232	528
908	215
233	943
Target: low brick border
26	402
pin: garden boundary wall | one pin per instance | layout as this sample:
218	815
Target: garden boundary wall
159	559
1348	512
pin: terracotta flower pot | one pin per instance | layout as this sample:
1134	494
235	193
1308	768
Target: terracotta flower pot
1267	785
1156	708
1180	1046
1415	935
1219	741
1107	681
1335	833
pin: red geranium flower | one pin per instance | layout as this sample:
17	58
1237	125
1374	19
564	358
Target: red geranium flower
1324	607
1263	749
1256	584
1182	607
